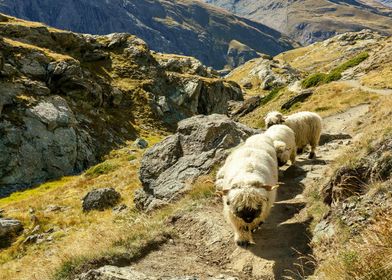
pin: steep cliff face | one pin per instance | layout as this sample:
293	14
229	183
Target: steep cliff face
67	99
308	21
182	26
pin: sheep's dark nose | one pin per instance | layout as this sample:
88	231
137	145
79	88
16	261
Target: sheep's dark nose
281	162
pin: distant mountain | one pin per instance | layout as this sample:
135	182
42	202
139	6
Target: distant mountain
387	3
307	21
187	27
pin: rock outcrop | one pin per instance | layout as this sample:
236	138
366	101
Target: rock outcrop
9	228
168	168
264	73
67	99
352	180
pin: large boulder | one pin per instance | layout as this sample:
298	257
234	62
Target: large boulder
201	142
9	228
100	199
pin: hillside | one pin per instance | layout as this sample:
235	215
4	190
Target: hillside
68	99
185	27
313	20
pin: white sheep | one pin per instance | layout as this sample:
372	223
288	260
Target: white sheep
283	138
248	181
306	126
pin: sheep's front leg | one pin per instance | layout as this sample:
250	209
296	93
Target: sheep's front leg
293	156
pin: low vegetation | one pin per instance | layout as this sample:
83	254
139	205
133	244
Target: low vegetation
335	74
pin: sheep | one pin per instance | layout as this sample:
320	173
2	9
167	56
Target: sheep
248	182
284	142
306	126
257	141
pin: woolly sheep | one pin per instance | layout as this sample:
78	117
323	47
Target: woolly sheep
306	126
248	181
283	138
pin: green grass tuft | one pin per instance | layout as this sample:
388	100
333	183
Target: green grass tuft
100	169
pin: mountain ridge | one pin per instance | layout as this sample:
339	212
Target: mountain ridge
309	21
183	26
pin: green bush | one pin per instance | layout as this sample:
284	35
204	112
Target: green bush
101	168
335	74
314	80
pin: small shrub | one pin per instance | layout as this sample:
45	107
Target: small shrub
99	169
314	80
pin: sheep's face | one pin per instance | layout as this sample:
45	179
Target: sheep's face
282	152
246	203
273	118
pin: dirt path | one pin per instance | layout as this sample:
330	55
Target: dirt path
204	246
357	84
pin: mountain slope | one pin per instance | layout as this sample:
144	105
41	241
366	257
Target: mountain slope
183	26
308	21
68	99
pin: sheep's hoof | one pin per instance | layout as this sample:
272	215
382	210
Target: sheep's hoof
243	243
312	155
299	151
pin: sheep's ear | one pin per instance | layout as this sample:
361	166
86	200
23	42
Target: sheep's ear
266	187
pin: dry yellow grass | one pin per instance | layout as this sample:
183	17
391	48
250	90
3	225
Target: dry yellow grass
316	57
366	257
84	236
379	78
47	52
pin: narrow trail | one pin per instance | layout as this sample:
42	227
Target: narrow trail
204	248
357	84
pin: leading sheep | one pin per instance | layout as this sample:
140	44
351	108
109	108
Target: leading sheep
248	182
306	126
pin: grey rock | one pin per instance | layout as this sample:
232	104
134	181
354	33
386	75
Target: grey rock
140	143
246	107
168	167
54	112
34	65
114	273
95	55
323	230
9	229
301	97
117	96
100	199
